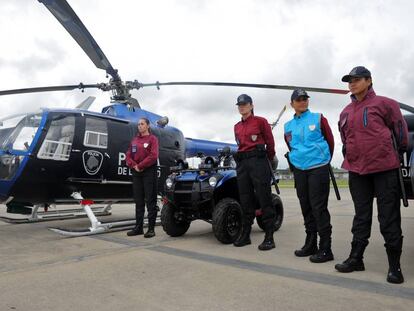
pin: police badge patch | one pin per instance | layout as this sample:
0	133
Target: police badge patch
312	127
92	161
254	137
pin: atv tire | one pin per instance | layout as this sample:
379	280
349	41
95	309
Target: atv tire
227	220
278	206
170	223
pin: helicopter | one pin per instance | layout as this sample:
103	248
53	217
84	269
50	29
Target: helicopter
65	156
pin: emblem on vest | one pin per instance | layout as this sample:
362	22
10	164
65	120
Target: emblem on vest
145	145
254	137
92	161
312	127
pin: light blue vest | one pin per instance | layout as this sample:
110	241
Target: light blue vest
309	148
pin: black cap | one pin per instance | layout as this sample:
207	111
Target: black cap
298	93
244	99
357	72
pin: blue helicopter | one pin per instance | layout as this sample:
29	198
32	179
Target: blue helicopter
65	156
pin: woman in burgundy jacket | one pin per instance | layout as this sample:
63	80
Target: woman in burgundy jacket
374	135
141	158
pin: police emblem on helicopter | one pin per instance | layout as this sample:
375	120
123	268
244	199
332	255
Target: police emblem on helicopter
92	161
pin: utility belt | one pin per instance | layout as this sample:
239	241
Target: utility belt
259	152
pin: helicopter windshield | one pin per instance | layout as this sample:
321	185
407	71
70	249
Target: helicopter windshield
17	133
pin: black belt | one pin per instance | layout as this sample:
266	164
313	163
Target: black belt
239	156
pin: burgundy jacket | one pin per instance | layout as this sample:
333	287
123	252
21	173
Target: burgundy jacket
253	131
142	151
366	131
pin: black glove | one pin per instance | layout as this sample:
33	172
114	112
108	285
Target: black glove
274	163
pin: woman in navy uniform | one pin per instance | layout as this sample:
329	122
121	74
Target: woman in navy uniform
141	158
255	148
311	144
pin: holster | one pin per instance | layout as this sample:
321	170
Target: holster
291	166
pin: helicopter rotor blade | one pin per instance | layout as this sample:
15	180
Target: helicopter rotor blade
406	107
252	85
80	86
71	22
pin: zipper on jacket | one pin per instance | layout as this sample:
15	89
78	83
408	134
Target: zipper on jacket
365	116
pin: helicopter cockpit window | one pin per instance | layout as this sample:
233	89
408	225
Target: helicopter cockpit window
96	133
20	136
58	142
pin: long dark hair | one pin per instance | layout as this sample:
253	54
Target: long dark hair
148	123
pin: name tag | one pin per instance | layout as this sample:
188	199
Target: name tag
134	148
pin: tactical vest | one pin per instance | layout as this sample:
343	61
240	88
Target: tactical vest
309	149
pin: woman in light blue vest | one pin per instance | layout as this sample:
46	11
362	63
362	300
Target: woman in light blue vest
311	144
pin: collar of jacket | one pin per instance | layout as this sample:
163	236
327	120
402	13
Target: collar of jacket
303	114
370	94
248	118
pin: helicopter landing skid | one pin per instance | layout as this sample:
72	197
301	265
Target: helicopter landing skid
38	216
97	227
101	228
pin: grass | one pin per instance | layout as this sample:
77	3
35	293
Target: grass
289	183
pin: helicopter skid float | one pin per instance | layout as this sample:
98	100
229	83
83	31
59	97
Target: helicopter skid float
97	227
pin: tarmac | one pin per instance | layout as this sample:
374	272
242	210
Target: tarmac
41	270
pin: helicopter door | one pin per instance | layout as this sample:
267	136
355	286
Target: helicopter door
90	150
120	135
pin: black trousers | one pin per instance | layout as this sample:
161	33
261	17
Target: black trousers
145	193
385	187
312	189
253	179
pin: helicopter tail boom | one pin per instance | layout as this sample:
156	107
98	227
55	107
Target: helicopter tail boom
197	147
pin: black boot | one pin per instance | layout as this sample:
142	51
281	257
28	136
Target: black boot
268	242
150	233
244	238
310	246
136	231
324	253
354	261
394	272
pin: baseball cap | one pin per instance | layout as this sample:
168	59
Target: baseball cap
357	72
244	99
298	93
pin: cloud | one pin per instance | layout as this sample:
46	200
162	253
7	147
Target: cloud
277	42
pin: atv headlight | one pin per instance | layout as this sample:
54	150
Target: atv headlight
169	182
212	181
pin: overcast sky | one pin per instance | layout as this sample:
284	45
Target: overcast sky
292	42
